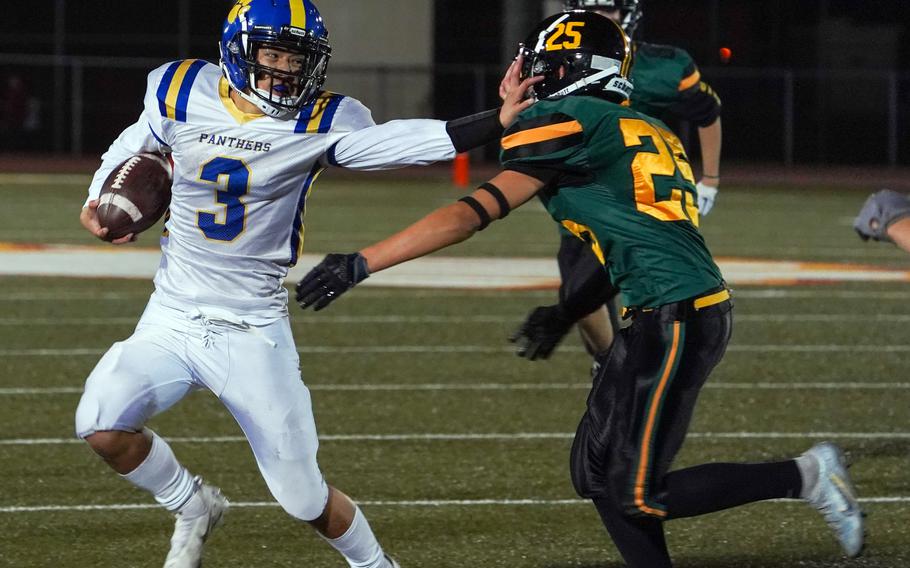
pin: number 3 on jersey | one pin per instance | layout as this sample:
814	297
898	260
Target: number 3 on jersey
659	176
229	223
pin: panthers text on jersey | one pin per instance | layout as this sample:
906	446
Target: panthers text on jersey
619	180
241	181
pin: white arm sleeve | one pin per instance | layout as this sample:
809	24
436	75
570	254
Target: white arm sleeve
395	144
146	135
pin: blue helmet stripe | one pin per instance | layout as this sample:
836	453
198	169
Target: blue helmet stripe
187	85
329	113
164	85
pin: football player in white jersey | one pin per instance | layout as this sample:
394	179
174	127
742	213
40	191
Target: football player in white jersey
247	141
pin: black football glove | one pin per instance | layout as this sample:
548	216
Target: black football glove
335	275
541	332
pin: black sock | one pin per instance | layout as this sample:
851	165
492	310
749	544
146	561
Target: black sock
639	540
717	486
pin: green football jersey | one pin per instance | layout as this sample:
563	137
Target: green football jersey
619	180
661	76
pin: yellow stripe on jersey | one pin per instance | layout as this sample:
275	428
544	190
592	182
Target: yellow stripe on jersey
690	81
586	234
312	125
298	14
541	134
171	100
300	232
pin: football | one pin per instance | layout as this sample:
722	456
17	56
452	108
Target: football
135	195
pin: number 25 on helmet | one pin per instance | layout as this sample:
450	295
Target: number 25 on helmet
578	53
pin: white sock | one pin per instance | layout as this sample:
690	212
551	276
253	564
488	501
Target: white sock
358	544
162	475
808	471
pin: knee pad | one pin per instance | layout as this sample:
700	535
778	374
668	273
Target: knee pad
587	459
305	501
115	397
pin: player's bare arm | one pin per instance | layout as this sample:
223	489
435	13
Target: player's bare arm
444	227
710	140
453	223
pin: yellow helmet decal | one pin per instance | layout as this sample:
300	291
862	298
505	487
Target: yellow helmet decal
238	10
298	14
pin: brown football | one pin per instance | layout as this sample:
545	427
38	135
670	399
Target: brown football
135	195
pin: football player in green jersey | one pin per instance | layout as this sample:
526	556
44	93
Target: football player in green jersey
619	180
666	80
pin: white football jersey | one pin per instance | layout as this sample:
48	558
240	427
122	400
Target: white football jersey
241	181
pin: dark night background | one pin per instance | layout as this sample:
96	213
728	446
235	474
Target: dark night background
848	63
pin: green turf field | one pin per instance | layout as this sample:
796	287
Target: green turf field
457	449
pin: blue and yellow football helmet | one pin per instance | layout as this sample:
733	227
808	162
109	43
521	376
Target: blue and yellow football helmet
288	25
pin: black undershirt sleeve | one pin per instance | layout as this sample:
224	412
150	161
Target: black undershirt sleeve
475	130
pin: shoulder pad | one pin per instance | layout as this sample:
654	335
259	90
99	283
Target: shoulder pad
658	50
174	83
333	111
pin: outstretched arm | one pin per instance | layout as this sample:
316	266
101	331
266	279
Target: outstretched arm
451	224
444	227
414	142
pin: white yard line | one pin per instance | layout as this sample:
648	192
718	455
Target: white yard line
429	272
424	349
464	437
405	319
369	294
885	500
394	387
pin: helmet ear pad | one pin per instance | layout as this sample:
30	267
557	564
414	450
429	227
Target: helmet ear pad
236	72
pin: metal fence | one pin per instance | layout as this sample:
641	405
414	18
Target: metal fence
77	104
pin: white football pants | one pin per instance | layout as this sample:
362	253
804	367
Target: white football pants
253	370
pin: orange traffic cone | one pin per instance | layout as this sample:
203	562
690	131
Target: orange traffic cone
461	170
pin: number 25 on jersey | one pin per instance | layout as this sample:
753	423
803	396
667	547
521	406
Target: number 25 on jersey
664	185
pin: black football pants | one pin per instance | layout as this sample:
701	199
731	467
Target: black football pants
585	284
638	412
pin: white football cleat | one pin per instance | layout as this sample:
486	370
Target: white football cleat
835	497
190	534
392	562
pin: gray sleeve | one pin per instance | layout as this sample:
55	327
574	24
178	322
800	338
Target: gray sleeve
880	210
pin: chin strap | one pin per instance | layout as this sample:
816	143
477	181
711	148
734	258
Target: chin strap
267	109
617	84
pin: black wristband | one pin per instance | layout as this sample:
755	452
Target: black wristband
475	130
479	209
504	207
